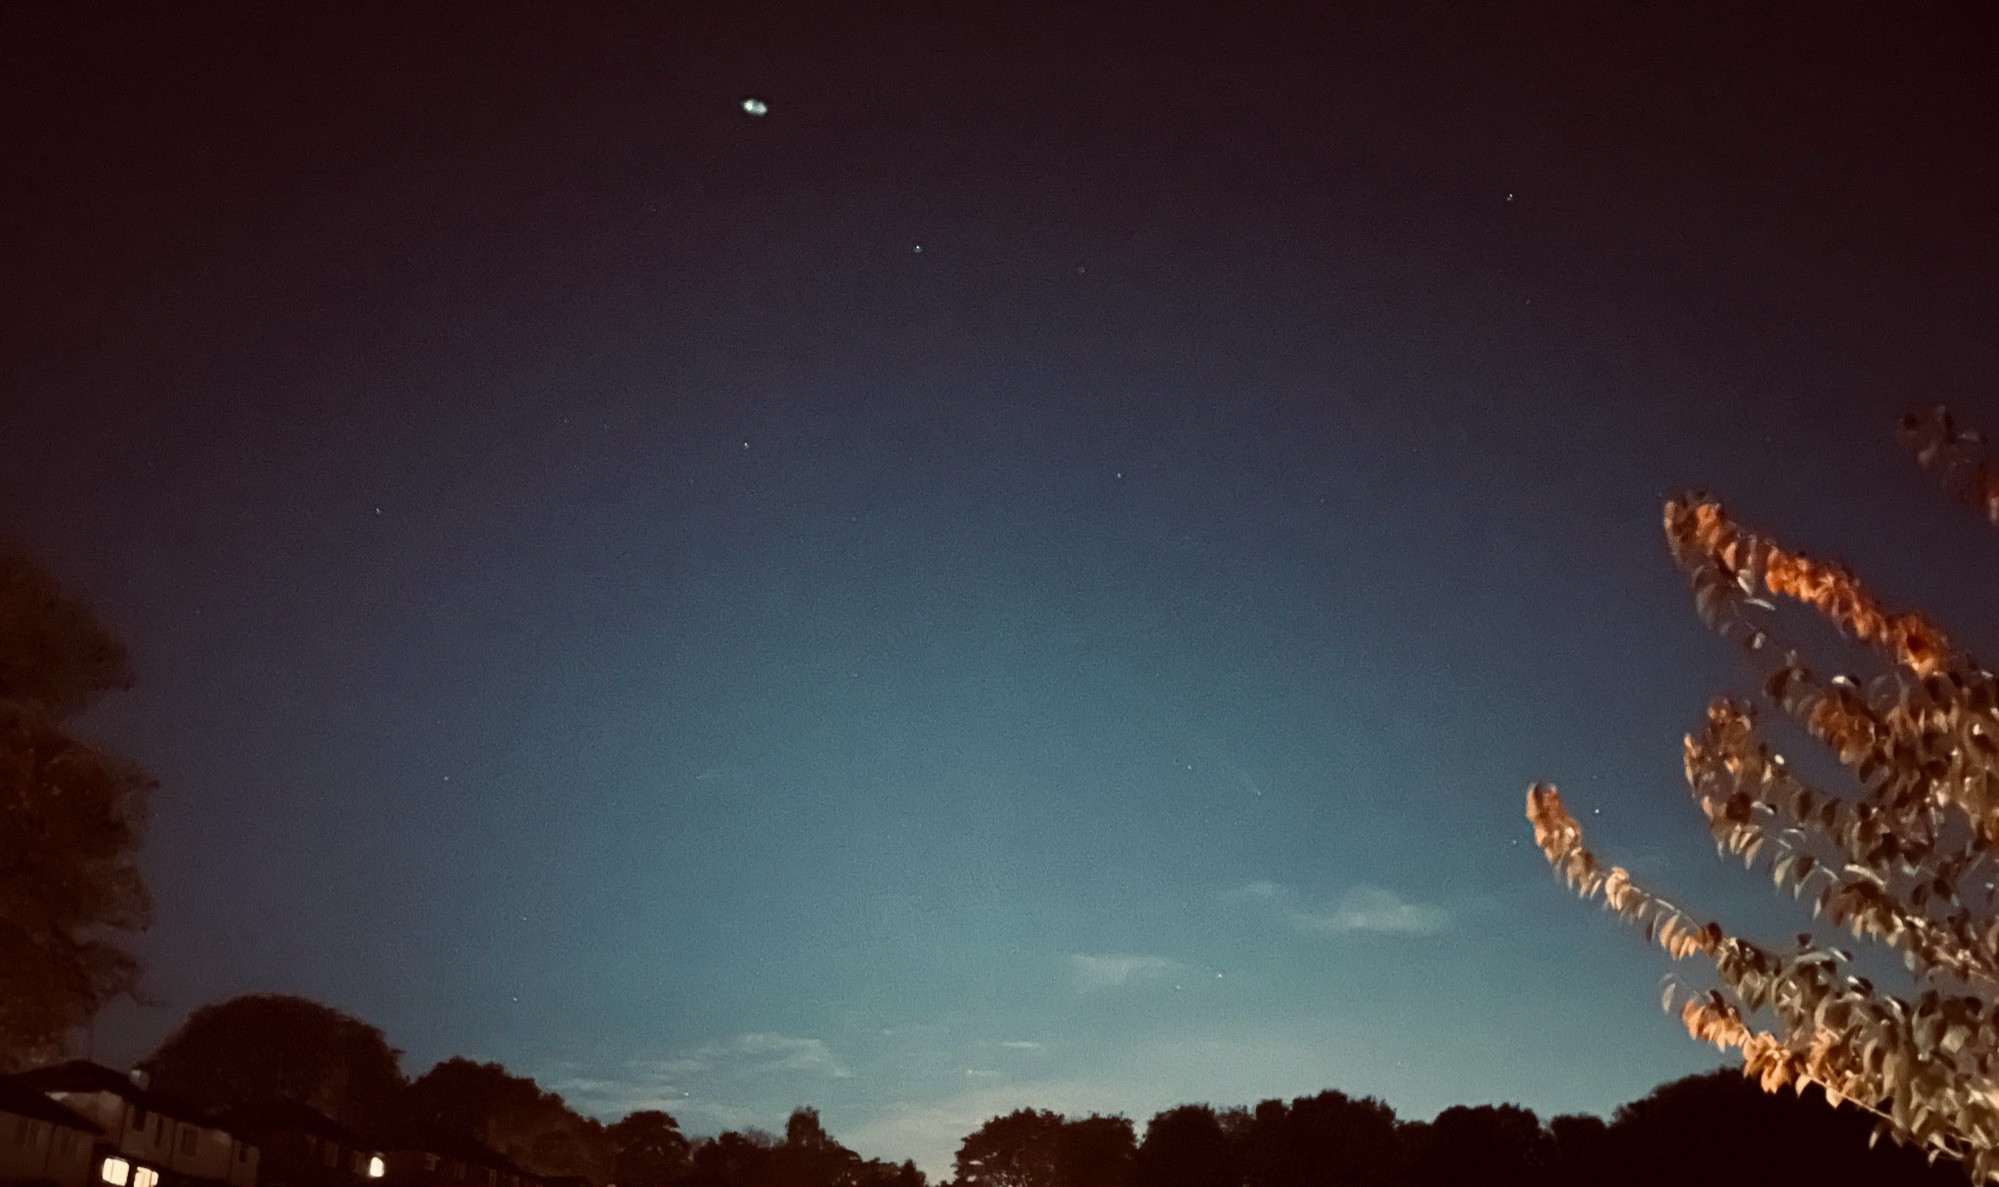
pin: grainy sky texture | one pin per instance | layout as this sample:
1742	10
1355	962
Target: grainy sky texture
1035	571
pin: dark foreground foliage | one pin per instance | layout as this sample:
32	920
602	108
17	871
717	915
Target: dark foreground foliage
71	817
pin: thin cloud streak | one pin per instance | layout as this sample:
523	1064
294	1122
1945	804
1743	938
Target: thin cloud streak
695	1085
1116	970
775	1052
1362	909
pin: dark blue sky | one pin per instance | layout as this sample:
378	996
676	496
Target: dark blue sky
1036	572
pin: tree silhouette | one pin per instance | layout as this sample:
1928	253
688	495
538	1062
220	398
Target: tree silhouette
1186	1147
70	821
1906	861
513	1116
1031	1148
1582	1149
650	1150
733	1158
1330	1139
1095	1151
808	1156
461	1096
877	1173
1722	1127
262	1047
1484	1145
1016	1150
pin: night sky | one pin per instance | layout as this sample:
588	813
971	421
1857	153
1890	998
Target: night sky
1035	572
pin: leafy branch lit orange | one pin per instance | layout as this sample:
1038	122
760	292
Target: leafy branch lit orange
1907	862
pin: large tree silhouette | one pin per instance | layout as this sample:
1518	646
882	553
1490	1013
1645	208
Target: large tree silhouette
1016	1150
1034	1148
808	1156
1186	1147
1582	1149
1722	1128
513	1115
1484	1145
262	1047
1095	1151
649	1149
733	1158
1330	1139
71	816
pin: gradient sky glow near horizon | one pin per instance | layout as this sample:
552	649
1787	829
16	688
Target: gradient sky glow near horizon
1035	571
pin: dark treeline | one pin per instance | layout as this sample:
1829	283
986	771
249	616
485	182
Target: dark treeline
251	1050
1713	1129
1716	1129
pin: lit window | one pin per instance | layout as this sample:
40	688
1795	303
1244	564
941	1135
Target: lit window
376	1167
145	1176
116	1171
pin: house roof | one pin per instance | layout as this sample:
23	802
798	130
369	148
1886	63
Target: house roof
81	1075
24	1101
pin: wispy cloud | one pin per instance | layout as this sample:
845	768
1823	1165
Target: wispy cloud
1116	969
1254	892
1361	909
1372	909
1021	1045
695	1085
617	1091
686	1065
780	1053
